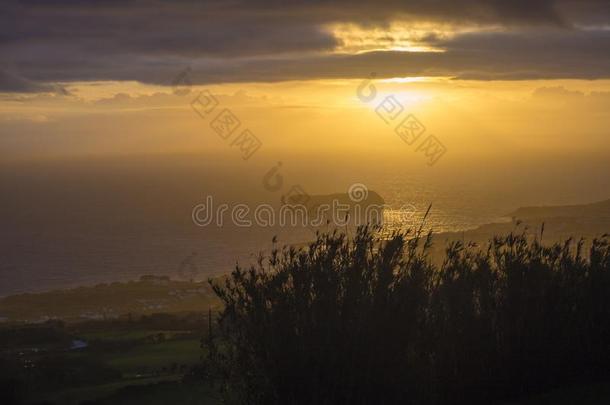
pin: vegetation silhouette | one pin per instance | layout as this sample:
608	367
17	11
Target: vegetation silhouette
361	320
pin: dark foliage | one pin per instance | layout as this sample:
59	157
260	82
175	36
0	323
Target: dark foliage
363	321
51	332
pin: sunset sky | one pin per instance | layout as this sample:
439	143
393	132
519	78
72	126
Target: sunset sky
113	121
496	81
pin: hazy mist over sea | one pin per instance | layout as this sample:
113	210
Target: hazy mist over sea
86	221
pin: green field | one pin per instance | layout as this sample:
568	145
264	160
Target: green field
77	395
126	335
155	356
164	393
141	356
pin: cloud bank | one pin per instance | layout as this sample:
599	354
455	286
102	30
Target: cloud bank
43	42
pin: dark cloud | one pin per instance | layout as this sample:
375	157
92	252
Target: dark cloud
497	56
45	41
483	56
12	83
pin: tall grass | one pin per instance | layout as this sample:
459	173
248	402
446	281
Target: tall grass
363	321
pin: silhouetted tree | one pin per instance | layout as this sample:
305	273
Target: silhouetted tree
362	320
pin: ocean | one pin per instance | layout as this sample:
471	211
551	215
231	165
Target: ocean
84	222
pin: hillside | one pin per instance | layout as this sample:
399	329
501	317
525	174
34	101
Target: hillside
107	301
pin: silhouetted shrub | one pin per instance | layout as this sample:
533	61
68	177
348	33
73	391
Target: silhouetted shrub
363	321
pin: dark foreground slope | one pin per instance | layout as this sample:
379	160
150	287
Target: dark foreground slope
360	321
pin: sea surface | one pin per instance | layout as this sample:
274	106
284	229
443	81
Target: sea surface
84	222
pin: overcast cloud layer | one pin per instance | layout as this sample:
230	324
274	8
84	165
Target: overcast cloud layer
45	42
